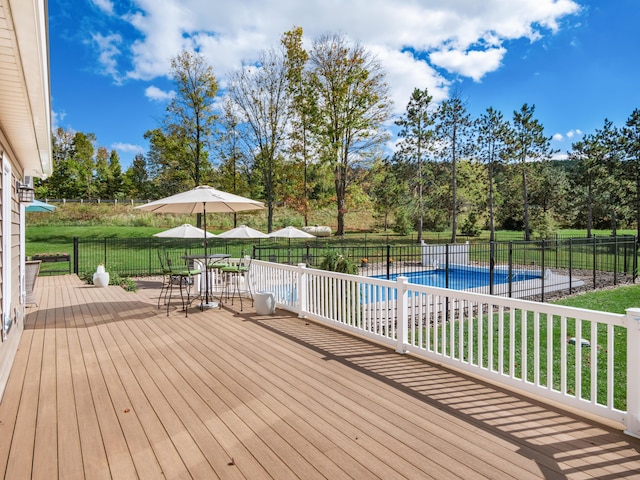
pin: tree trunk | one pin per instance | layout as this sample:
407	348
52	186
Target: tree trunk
638	203
340	176
454	188
589	210
420	205
492	222
525	200
269	216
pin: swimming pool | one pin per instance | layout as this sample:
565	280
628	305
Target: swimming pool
463	277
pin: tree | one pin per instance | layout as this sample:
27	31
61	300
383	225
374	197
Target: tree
84	163
303	108
417	139
179	149
261	97
234	164
164	161
352	104
386	190
527	144
586	171
453	123
64	181
631	148
136	179
101	178
492	133
606	144
114	187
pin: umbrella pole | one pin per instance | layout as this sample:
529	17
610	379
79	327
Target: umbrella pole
206	263
206	303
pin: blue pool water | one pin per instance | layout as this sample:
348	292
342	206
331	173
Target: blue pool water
463	278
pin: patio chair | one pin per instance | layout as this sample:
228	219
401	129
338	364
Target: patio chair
235	275
31	271
183	277
166	278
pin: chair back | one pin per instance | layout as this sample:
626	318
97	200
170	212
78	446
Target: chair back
162	262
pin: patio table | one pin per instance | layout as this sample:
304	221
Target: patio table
207	261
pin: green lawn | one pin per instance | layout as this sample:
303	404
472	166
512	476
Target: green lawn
614	300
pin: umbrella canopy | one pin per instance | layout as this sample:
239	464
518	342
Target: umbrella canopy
202	199
184	231
290	232
38	206
243	232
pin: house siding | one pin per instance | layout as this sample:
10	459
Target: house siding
9	344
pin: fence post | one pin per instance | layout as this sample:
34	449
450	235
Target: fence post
570	266
632	421
402	314
510	268
446	266
302	290
542	261
635	259
492	266
388	258
615	260
595	257
75	255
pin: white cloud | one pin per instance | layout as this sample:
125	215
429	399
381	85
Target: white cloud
127	148
558	137
108	53
466	37
574	133
473	63
56	118
105	5
154	93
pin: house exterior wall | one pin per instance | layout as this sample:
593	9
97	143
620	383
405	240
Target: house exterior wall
25	150
13	316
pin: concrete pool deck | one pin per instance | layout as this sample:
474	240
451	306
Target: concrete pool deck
553	282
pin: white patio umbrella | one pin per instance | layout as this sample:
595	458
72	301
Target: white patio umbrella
289	233
243	232
184	231
203	199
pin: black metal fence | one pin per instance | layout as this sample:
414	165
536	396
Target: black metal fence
507	268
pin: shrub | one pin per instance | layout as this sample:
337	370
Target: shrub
335	262
470	227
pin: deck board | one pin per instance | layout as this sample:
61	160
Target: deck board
106	385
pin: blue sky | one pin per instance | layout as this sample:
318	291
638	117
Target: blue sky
575	60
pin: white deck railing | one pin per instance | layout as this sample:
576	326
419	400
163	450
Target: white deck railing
579	358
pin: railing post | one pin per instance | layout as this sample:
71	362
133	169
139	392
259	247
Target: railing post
75	255
402	314
632	422
302	290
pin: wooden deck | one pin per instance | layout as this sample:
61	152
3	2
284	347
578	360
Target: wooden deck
105	385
